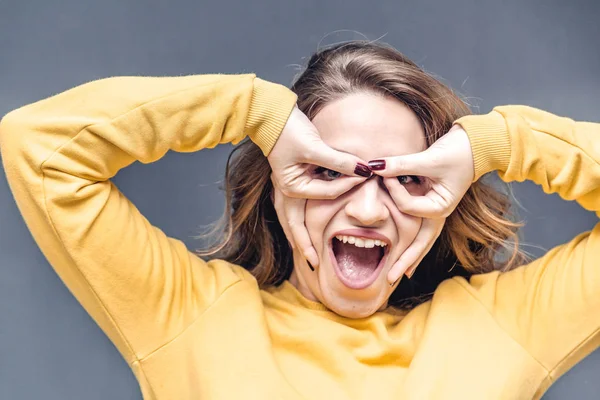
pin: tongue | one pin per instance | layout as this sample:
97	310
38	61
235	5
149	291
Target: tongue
356	263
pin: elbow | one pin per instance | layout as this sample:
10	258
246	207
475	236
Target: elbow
7	124
12	138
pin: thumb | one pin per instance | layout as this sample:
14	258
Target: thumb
347	164
422	164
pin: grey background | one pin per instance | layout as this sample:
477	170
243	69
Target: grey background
541	53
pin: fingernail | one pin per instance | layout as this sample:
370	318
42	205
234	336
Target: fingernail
410	272
377	165
362	170
393	283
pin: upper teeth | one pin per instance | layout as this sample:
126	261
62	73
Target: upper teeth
360	242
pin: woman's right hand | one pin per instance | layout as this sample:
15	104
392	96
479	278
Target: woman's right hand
298	149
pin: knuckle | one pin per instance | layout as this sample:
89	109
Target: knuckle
418	246
307	154
305	248
330	194
444	213
396	165
340	165
438	210
435	160
410	260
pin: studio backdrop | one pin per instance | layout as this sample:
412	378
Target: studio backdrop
543	53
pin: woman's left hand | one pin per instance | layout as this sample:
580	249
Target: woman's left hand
430	230
448	167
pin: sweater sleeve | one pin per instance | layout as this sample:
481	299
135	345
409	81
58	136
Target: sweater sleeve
552	305
142	287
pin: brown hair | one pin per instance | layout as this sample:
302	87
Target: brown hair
479	235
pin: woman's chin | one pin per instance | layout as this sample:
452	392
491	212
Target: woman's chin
352	303
352	309
324	286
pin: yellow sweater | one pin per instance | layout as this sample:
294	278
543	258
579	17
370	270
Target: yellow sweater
191	329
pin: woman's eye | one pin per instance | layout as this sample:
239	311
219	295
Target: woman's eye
327	174
406	179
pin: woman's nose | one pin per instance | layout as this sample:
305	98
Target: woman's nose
366	203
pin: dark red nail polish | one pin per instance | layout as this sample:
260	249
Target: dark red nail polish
377	165
362	170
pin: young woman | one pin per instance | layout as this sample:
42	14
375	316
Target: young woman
375	172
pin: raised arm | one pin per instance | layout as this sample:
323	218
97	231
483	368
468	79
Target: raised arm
59	154
552	305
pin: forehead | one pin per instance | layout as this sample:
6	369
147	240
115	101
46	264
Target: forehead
370	126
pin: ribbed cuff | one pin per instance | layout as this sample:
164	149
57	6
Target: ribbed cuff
270	108
490	142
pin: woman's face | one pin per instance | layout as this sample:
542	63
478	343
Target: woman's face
359	235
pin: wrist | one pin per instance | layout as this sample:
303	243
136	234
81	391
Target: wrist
270	108
490	142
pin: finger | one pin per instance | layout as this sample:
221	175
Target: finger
426	235
345	163
295	219
319	189
427	206
411	164
411	270
280	211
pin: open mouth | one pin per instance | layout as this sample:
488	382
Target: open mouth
358	260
